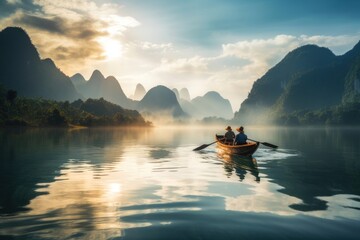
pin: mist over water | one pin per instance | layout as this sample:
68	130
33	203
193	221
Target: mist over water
118	183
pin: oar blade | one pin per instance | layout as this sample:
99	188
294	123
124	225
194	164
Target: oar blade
204	146
269	145
201	147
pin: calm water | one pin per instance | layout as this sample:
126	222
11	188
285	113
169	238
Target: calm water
149	184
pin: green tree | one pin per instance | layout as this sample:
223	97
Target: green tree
56	119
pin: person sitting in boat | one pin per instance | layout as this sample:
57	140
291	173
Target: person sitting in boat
229	135
241	137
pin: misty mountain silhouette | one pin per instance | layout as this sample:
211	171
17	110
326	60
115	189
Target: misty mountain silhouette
21	69
184	94
139	92
309	78
78	79
212	104
177	94
162	100
100	87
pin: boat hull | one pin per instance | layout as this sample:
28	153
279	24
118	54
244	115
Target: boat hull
244	150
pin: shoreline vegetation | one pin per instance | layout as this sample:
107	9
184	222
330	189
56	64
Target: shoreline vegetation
37	112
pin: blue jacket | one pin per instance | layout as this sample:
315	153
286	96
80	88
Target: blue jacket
241	138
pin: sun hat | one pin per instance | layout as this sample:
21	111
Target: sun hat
240	129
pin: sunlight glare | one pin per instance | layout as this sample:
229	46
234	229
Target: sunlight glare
114	187
112	48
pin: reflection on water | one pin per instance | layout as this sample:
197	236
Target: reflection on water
241	165
327	165
149	184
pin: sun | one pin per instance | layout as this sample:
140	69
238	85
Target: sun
112	48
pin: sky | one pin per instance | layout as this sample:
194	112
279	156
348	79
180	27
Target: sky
201	45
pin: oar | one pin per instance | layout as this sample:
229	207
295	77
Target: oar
205	145
265	143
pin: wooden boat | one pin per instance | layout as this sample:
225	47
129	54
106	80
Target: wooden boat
244	150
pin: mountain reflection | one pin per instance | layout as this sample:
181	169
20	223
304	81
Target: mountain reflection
328	165
32	157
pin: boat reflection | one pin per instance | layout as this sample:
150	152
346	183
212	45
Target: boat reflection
240	165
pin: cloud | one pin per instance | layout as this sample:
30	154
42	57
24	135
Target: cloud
338	44
139	58
261	53
70	32
234	69
194	64
13	1
148	52
54	25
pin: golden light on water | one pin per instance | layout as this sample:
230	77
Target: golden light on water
114	188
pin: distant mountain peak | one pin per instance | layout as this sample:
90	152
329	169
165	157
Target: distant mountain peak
78	79
97	76
16	43
139	92
161	98
213	94
139	85
16	33
163	90
49	62
78	75
309	51
111	78
212	104
184	94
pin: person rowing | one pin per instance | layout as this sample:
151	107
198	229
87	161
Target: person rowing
241	137
229	136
